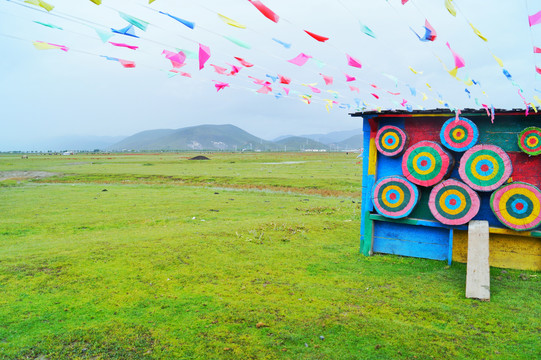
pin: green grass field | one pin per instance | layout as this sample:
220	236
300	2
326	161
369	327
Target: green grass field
154	256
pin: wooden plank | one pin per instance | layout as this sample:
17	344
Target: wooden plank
478	268
367	242
367	182
450	252
506	250
411	240
413	221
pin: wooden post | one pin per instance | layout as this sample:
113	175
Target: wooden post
478	269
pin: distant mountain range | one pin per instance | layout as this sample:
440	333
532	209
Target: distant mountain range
194	138
233	138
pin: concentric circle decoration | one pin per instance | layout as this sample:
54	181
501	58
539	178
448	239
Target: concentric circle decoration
394	196
453	203
485	167
426	163
459	134
391	141
529	140
517	205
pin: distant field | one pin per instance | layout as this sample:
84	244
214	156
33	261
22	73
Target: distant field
337	173
244	256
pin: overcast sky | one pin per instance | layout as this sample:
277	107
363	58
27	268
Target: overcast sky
48	93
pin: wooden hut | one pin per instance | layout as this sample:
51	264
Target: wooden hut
426	174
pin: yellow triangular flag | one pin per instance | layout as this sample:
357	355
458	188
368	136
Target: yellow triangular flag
450	7
40	45
468	82
453	73
478	33
97	2
415	71
536	98
500	62
231	22
533	107
425	97
40	3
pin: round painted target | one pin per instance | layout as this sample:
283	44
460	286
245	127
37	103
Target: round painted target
459	134
453	203
517	205
391	141
394	196
485	167
426	163
529	140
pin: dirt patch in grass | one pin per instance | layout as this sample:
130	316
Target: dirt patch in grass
24	175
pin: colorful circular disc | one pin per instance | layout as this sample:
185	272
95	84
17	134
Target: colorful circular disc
485	167
529	140
459	134
391	141
517	205
394	196
453	203
426	163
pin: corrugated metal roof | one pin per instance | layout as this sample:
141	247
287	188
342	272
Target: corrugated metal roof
464	112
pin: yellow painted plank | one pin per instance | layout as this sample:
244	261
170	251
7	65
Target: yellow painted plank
373	153
506	251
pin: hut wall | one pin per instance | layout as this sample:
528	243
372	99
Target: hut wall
421	235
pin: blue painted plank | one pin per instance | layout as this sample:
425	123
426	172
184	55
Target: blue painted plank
411	240
367	182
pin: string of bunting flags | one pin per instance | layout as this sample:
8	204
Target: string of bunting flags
355	90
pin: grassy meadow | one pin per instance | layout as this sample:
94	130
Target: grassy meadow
244	256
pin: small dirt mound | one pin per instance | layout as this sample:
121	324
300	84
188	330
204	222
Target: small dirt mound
199	157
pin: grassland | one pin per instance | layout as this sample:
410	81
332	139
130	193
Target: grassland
245	256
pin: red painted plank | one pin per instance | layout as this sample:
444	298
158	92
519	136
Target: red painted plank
526	168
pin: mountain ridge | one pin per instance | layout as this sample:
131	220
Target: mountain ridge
226	137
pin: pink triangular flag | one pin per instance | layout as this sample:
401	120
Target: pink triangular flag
234	70
244	62
220	85
177	59
349	77
257	81
536	50
353	62
265	89
286	90
204	55
535	19
374	95
459	61
219	69
314	89
538	70
127	63
328	79
300	60
353	88
133	47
